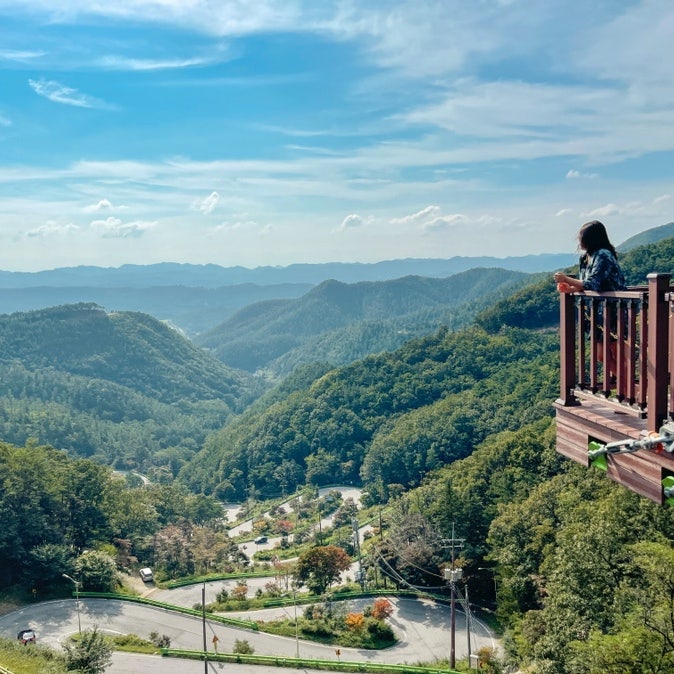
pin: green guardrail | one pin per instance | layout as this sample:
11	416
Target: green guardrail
299	663
213	617
173	584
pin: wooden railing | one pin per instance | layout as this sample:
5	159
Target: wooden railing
635	325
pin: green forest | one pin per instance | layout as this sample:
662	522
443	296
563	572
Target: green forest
452	433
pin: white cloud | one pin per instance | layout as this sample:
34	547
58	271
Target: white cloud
445	222
352	221
207	205
430	219
20	55
5	121
423	215
563	212
604	211
102	205
114	228
573	174
235	226
52	229
146	64
60	93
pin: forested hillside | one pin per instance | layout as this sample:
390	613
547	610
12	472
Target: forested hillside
582	568
121	387
387	419
340	323
61	515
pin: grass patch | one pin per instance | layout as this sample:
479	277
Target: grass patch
131	643
30	658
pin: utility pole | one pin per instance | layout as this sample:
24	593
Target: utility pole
468	619
452	575
356	538
203	624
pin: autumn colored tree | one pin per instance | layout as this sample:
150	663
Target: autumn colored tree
382	609
319	567
355	621
239	592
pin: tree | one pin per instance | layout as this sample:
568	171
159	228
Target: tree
382	609
97	570
319	567
90	654
355	622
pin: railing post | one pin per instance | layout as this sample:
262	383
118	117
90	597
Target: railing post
658	350
567	349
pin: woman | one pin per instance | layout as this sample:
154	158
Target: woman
599	272
599	268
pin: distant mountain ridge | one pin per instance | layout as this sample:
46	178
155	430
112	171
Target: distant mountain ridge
214	276
189	308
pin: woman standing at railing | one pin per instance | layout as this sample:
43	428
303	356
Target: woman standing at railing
599	272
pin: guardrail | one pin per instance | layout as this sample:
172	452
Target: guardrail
299	663
4	670
173	584
213	617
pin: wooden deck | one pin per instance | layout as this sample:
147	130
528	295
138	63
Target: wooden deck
587	411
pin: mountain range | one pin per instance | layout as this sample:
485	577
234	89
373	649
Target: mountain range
338	322
197	298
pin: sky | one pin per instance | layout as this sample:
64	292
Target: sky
274	132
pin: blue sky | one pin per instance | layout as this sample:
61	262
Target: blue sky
271	132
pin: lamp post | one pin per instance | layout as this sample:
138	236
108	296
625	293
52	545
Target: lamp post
76	583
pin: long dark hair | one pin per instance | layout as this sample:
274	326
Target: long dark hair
593	237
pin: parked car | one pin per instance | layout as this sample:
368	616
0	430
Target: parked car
146	575
261	539
26	636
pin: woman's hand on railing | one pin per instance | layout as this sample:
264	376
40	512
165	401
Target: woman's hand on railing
567	284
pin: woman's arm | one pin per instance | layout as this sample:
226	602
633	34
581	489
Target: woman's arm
575	284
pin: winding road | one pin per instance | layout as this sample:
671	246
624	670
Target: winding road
422	628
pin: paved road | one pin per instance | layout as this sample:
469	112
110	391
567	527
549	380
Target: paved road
422	627
189	595
250	548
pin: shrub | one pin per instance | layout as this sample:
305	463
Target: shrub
382	609
163	641
242	646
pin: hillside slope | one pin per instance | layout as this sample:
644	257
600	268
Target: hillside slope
120	386
341	323
387	419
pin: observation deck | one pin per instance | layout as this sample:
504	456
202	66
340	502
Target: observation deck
595	406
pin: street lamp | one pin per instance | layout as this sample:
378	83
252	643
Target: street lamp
76	583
